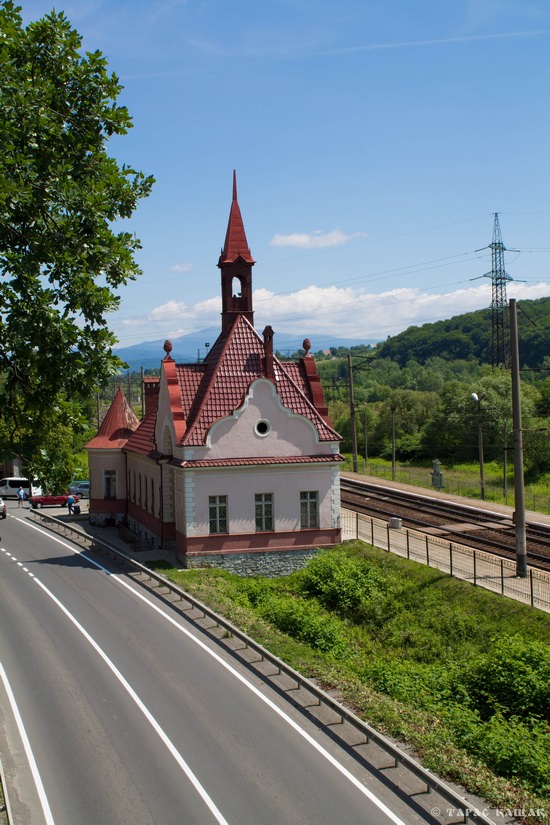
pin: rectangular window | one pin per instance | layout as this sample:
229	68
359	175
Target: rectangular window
309	509
109	483
264	511
217	514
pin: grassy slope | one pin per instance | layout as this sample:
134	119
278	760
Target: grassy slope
413	652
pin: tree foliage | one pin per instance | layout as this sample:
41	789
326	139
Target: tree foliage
61	196
468	337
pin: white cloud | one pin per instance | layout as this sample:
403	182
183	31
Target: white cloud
181	267
165	313
314	240
342	312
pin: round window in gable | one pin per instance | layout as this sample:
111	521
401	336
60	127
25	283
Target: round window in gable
262	428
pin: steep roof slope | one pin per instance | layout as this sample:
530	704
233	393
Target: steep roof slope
118	425
231	366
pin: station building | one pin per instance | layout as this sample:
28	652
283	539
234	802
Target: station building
235	463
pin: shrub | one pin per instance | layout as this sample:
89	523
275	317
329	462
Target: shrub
515	749
512	679
304	621
341	582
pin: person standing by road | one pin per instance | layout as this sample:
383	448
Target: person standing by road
20	497
70	503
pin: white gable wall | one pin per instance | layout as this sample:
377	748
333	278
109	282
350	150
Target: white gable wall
240	435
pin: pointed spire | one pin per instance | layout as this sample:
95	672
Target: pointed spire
236	245
118	425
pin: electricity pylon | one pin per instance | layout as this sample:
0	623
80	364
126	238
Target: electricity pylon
500	318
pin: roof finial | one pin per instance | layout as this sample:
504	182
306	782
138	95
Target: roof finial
234	185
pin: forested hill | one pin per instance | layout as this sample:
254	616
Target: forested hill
468	336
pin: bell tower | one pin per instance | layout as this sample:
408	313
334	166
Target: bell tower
236	264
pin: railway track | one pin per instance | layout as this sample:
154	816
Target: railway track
473	527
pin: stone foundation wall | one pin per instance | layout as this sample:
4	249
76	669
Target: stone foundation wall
252	564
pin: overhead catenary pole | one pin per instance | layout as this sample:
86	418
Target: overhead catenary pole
519	491
352	414
393	442
366	442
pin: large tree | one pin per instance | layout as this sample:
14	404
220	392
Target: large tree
62	252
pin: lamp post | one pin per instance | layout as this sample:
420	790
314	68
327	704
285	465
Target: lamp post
477	399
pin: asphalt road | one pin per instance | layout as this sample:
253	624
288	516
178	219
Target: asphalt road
115	710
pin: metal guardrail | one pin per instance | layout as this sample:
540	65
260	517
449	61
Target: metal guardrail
458	803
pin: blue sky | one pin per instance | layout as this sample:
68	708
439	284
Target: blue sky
373	141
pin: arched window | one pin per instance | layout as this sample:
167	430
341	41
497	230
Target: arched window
236	287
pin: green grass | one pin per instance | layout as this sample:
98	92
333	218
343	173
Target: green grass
461	479
460	674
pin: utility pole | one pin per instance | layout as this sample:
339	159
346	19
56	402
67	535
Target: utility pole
393	442
352	414
519	491
366	442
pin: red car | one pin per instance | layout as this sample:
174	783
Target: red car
50	501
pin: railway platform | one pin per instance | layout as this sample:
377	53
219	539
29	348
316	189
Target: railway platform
531	516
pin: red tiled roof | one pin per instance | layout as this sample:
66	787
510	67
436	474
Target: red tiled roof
117	426
142	441
245	462
219	386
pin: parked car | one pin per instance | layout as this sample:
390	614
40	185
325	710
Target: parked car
51	501
80	488
3	513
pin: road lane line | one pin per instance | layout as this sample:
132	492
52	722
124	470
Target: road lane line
148	715
28	750
294	725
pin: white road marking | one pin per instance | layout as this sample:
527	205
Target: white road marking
28	750
319	748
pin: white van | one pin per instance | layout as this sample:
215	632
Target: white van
10	486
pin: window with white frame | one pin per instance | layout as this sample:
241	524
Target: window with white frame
109	484
309	508
217	514
263	503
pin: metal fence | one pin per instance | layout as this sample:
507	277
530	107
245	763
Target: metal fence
476	566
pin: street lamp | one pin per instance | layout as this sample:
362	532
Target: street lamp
477	399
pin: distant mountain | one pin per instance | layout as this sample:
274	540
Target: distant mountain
190	348
469	336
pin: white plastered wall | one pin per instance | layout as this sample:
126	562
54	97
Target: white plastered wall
239	436
101	460
240	486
